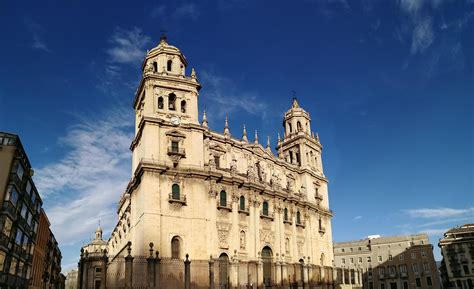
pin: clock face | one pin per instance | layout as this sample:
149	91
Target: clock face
175	120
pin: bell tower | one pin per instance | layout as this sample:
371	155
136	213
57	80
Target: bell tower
299	145
165	102
165	91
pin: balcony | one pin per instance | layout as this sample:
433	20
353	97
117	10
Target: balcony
4	240
225	207
381	276
244	211
10	208
16	180
289	222
300	224
267	215
403	274
318	196
322	230
176	151
181	199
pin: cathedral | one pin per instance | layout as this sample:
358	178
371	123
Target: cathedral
205	209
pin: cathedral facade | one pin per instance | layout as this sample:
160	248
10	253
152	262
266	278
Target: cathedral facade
228	202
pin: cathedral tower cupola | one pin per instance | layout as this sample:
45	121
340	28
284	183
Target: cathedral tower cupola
166	91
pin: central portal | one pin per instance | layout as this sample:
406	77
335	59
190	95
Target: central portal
267	266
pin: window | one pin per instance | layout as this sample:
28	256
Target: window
381	271
342	250
352	249
393	285
160	102
369	259
2	260
426	266
371	285
289	126
223	199
423	254
466	269
382	285
12	196
172	101
98	269
7	228
20	171
174	146
343	260
169	65
298	217
415	268
405	285
242	203
287	246
217	161
370	272
155	67
298	126
413	255
360	249
352	260
429	282
392	270
380	259
401	257
291	157
183	106
285	215
175	192
390	257
175	248
360	259
320	224
19	235
403	268
265	208
13	263
418	282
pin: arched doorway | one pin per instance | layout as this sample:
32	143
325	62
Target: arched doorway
267	266
223	271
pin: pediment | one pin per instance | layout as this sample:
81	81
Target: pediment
175	133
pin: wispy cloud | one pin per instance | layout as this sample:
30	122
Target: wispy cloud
432	232
356	218
187	10
128	46
439	213
423	36
84	185
227	98
36	31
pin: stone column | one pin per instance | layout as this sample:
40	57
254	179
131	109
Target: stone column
80	266
343	276
211	273
350	276
284	275
151	268
305	276
103	274
235	220
187	273
259	273
129	267
278	278
233	274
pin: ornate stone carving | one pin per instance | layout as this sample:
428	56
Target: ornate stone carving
223	234
267	236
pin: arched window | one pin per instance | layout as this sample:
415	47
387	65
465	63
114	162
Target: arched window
160	102
265	208
242	240
172	101
155	67
242	203
175	248
298	126
298	217
175	191
320	224
289	127
169	64
285	214
322	261
183	106
287	245
223	199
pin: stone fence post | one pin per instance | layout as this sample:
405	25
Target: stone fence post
187	273
129	267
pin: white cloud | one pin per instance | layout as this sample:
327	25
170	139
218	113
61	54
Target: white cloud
186	10
423	36
36	31
128	46
84	185
356	218
439	213
226	99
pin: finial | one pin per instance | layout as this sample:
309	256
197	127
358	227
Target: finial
163	37
256	138
193	73
317	136
279	138
204	119
268	141
244	135
295	103
129	248
226	127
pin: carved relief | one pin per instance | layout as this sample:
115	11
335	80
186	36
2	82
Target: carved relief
300	245
267	236
223	234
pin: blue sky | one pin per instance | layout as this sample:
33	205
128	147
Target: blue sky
389	85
